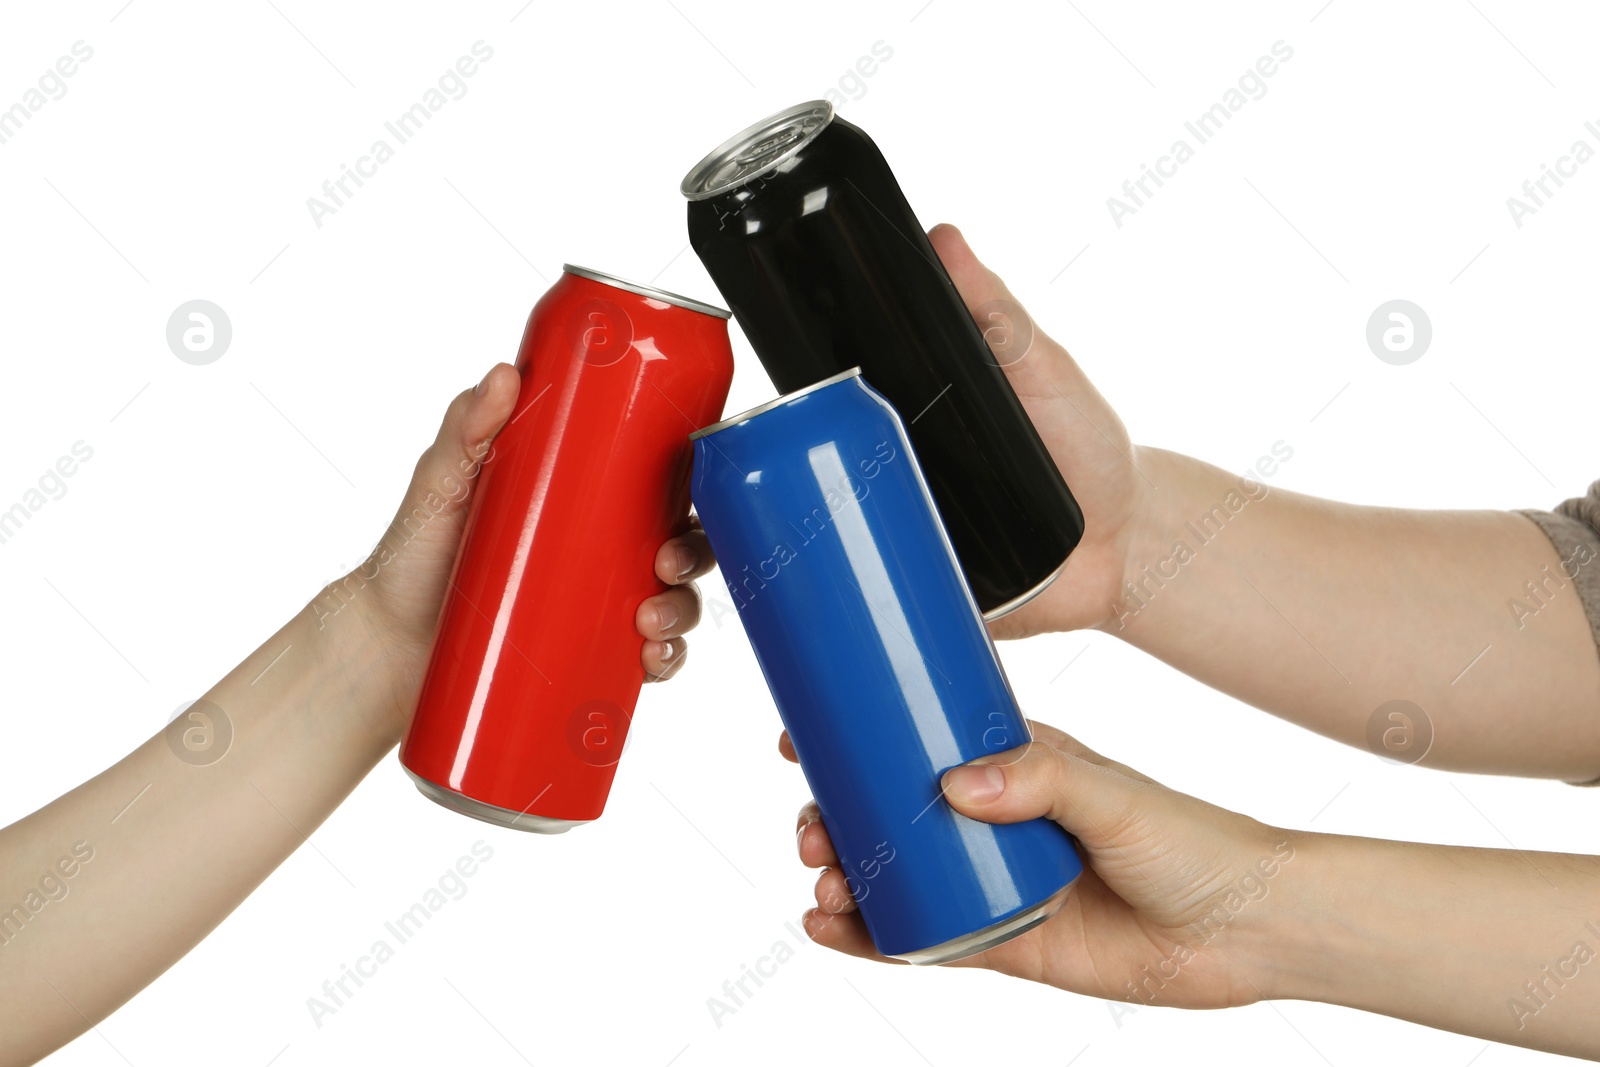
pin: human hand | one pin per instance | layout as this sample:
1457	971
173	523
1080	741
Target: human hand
407	590
1083	434
1176	904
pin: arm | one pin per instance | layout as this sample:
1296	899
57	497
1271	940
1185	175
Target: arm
190	840
1326	610
1184	904
1487	942
109	885
1329	610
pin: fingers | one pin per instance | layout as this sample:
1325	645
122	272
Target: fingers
685	558
835	901
835	922
786	748
662	660
833	892
663	619
1091	801
843	933
811	839
670	614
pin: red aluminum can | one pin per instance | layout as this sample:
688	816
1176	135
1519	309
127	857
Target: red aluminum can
535	667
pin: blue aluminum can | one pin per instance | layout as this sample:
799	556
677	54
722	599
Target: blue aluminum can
879	663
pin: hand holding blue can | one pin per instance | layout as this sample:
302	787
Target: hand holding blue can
1181	903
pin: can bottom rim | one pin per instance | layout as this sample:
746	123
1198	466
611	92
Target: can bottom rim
1018	601
990	936
489	813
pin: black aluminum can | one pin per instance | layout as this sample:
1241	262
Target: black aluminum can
804	229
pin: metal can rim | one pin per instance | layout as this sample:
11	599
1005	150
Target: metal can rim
745	416
650	291
493	814
692	182
1023	598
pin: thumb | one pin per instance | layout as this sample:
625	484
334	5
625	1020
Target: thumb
410	565
1032	361
422	537
470	425
1092	802
441	485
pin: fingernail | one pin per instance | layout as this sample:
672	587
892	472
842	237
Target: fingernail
666	618
686	561
800	836
483	383
974	783
667	652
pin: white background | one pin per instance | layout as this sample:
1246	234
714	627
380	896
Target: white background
1227	314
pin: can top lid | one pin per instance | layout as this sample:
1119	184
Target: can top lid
646	290
745	416
759	149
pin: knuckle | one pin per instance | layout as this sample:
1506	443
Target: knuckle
1048	765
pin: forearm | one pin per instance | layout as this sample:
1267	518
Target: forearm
1321	612
176	842
1494	943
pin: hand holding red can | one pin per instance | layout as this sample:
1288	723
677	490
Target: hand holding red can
396	593
524	710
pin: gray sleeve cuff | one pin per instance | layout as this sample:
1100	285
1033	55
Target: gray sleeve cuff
1574	530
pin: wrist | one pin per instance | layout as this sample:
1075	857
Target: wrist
352	636
1084	596
1143	542
1319	939
1301	945
1181	509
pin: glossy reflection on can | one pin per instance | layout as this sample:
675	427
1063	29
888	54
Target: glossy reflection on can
535	670
879	663
804	229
